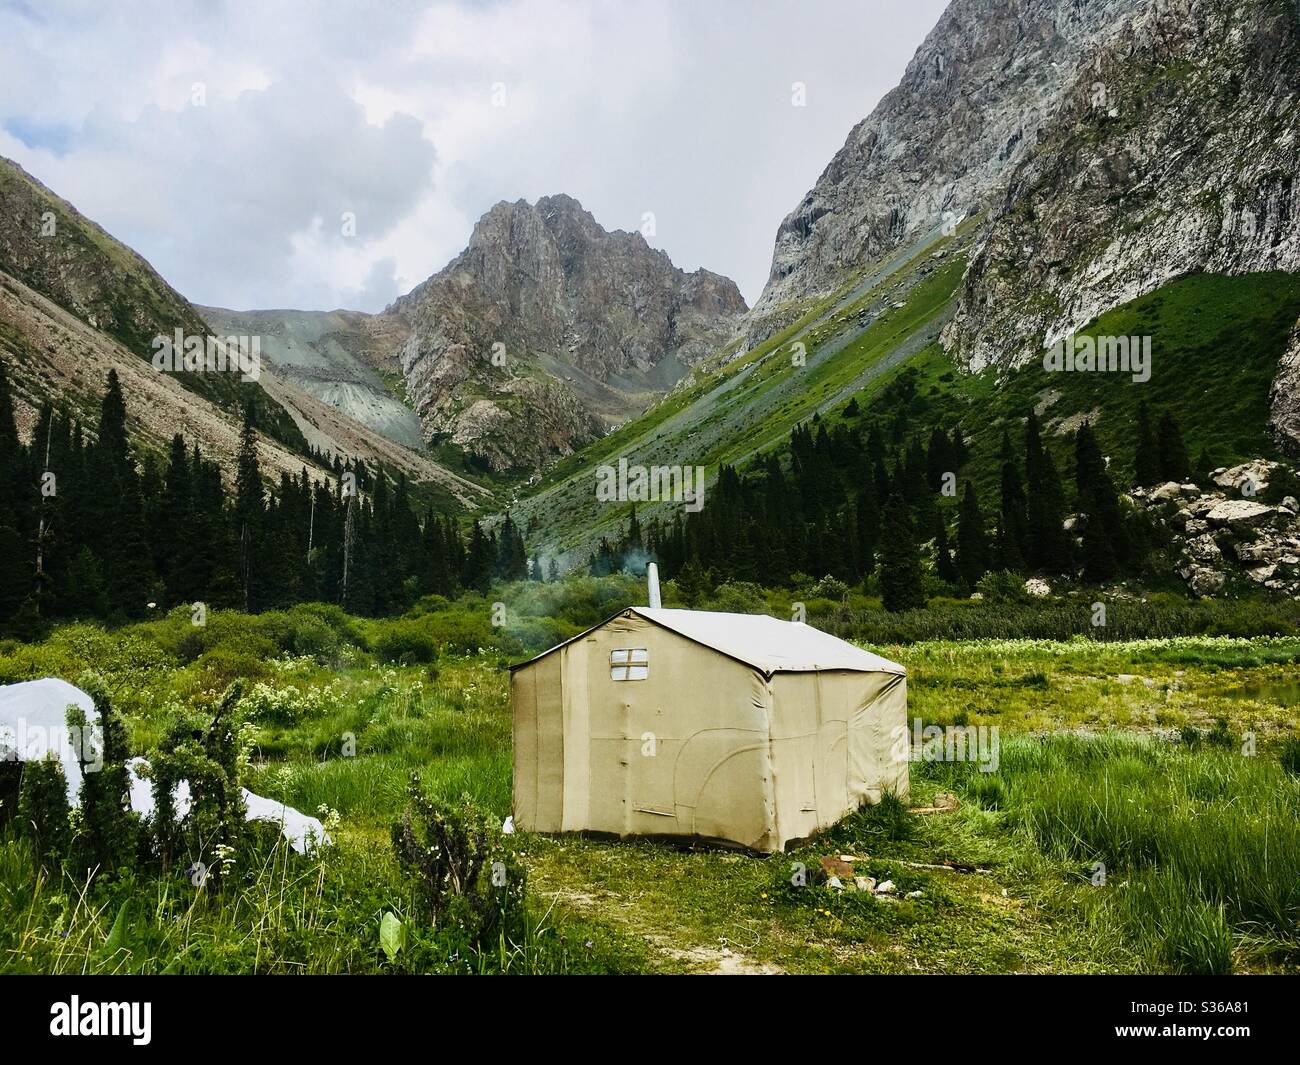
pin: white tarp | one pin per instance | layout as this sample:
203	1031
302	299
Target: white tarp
33	722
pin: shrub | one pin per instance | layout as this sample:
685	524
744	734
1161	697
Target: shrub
742	597
267	704
43	808
1002	587
222	666
108	829
826	588
204	752
406	642
471	887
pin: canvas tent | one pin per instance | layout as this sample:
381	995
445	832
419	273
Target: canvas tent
728	727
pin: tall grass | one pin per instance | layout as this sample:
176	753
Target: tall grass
1200	849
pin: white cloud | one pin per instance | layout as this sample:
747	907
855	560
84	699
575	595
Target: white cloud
387	110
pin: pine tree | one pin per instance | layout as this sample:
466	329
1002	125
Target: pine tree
901	582
694	582
972	539
944	565
249	507
1014	521
1097	495
478	560
1099	562
438	579
1146	453
1175	465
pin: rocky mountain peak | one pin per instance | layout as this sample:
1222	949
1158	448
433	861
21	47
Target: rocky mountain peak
549	328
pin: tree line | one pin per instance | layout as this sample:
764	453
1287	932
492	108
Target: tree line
88	528
878	507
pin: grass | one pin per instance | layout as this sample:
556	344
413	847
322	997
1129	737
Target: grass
1125	752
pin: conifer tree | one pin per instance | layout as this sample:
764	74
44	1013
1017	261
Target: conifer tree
249	507
1146	452
1175	465
901	582
972	539
945	566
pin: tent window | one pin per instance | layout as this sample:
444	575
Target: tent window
629	663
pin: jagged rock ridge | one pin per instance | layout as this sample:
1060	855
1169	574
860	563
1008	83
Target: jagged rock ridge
938	147
1176	151
548	329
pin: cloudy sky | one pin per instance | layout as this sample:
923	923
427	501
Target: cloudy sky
232	142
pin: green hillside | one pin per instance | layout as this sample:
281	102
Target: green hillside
1216	345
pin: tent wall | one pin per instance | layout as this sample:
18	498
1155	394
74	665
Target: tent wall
683	752
538	745
833	746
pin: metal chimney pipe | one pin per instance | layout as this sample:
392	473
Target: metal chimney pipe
652	579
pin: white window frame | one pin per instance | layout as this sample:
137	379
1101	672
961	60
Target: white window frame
629	663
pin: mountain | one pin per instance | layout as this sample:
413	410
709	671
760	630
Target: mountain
939	146
49	247
346	359
76	303
1124	167
548	329
1176	151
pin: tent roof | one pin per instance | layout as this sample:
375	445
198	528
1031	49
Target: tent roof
758	640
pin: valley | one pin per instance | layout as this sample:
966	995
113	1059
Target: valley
311	591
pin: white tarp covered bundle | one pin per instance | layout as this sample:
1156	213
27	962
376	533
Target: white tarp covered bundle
33	722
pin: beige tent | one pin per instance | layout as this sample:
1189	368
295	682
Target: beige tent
728	727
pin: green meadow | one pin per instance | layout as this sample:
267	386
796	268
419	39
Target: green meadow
1143	814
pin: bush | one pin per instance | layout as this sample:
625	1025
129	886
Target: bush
222	666
1002	587
826	588
269	705
43	808
742	597
108	828
471	887
406	642
204	751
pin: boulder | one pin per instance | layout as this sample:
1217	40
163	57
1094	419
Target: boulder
1259	552
1170	490
1250	479
1243	512
1204	549
1204	581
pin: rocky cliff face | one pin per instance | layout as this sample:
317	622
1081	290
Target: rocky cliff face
941	145
1175	150
547	329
